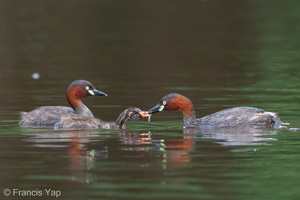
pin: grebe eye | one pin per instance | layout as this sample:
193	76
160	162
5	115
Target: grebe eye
90	90
162	107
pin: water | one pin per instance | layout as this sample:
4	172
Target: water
220	54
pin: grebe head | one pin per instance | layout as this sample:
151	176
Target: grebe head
83	88
79	89
173	101
130	114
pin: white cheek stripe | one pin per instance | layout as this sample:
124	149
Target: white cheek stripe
91	92
161	108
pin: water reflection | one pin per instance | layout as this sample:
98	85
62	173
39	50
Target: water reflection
88	150
85	149
178	149
135	139
236	136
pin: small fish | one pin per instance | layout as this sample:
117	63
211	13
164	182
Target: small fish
149	118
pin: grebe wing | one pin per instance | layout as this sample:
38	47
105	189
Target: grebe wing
45	115
238	116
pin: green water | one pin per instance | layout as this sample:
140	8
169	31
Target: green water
220	54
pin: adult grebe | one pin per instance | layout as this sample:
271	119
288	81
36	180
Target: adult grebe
231	117
50	115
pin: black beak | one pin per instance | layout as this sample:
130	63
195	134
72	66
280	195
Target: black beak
97	92
156	109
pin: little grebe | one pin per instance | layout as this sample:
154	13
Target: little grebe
231	117
79	122
50	115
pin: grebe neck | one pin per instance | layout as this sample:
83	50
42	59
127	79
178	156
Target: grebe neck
78	106
186	107
188	111
189	119
82	110
121	121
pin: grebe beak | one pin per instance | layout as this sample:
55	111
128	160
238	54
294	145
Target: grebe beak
157	108
96	92
144	114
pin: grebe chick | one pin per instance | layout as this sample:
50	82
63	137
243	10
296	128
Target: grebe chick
231	117
50	115
79	122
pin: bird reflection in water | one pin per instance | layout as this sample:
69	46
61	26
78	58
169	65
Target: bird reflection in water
80	158
86	148
135	141
178	149
245	136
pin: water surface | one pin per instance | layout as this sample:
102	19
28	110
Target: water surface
220	54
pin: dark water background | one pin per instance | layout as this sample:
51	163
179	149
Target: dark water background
218	53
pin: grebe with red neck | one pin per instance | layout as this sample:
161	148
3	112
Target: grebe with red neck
50	115
231	117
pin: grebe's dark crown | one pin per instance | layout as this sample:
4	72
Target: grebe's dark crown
88	86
